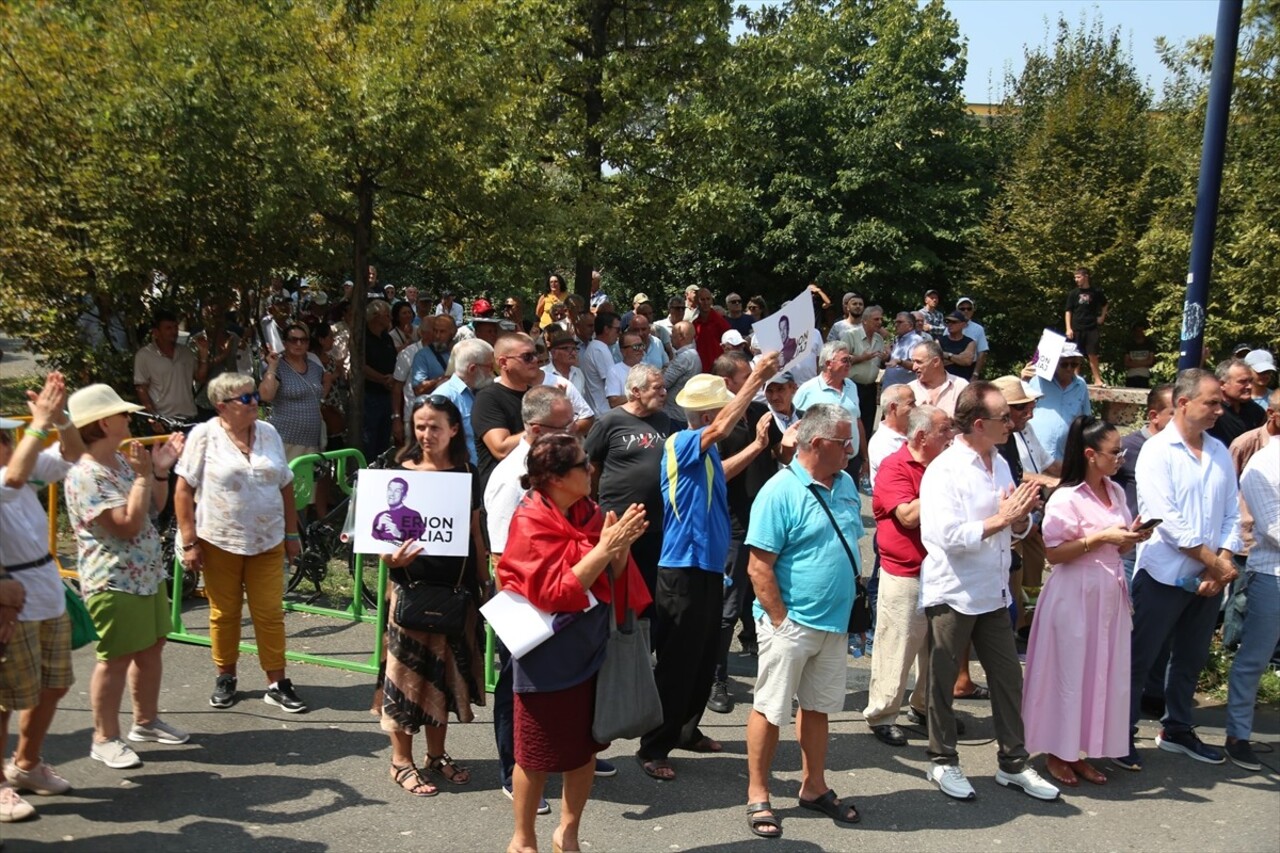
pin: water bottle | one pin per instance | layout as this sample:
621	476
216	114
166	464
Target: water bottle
1189	584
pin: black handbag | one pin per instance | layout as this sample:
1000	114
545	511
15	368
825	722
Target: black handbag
432	607
860	613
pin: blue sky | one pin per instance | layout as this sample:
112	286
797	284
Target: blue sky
998	30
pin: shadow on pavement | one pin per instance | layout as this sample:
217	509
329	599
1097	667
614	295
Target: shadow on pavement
199	836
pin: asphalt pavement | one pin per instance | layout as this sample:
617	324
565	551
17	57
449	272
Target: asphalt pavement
256	778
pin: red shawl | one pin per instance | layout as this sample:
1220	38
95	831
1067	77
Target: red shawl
543	546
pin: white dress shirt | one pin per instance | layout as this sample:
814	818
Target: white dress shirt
575	376
616	383
502	495
1196	500
597	362
961	568
581	408
1031	452
884	441
1260	488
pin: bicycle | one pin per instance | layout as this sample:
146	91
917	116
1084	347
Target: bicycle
328	537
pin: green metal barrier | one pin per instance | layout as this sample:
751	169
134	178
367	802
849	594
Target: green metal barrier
304	483
304	494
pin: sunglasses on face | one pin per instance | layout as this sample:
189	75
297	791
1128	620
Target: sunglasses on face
635	347
249	399
295	339
526	357
584	463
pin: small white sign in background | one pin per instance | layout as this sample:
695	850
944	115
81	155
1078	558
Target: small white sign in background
788	330
430	507
1048	351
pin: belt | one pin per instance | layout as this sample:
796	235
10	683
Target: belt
47	558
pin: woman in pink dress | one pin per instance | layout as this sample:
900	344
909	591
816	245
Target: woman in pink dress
1076	696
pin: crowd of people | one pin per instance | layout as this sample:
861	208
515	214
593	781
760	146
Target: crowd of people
622	461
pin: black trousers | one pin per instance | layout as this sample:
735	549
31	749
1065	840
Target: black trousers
688	603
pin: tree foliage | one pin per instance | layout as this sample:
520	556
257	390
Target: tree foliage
1246	259
1078	183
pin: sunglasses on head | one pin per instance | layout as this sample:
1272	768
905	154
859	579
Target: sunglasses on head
248	399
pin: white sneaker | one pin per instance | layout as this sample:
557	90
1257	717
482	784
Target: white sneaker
12	807
115	753
950	778
1029	781
41	779
158	732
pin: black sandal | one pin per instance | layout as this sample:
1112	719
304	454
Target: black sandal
755	820
444	760
844	812
401	774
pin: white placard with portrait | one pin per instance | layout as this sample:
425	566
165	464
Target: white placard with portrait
431	507
1048	351
788	330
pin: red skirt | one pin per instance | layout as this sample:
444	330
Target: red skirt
553	730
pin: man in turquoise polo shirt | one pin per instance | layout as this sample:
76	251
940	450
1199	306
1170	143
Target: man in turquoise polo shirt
695	542
803	574
833	385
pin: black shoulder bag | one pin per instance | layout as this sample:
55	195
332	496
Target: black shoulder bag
860	614
432	607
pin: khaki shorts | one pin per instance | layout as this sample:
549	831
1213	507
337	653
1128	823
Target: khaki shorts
38	657
802	662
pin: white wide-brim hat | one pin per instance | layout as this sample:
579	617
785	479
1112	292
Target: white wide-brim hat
95	402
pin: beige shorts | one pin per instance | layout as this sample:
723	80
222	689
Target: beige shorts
799	662
293	451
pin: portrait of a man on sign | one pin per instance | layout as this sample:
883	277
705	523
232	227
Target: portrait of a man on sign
788	331
397	522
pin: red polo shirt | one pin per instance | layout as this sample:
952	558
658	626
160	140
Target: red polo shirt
897	482
708	330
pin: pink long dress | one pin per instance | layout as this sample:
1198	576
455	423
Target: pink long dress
1075	698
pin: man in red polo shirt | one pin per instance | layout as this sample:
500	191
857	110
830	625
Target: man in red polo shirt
901	627
709	326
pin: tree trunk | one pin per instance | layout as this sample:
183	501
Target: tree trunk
363	241
593	150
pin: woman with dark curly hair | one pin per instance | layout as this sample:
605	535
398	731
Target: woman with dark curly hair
565	548
428	675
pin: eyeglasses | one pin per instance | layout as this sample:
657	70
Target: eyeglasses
635	347
551	428
1006	418
584	463
526	357
847	443
754	309
1021	407
295	339
248	399
1119	455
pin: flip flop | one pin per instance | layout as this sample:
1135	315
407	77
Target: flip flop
651	768
1089	773
978	692
704	745
755	820
830	806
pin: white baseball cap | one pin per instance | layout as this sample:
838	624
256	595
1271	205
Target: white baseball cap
1260	361
732	338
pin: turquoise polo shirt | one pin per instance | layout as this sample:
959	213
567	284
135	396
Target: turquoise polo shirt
695	505
814	576
816	391
464	398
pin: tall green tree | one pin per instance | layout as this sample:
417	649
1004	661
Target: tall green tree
836	148
1078	185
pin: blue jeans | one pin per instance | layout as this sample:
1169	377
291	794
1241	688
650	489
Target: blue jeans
1164	614
1257	644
